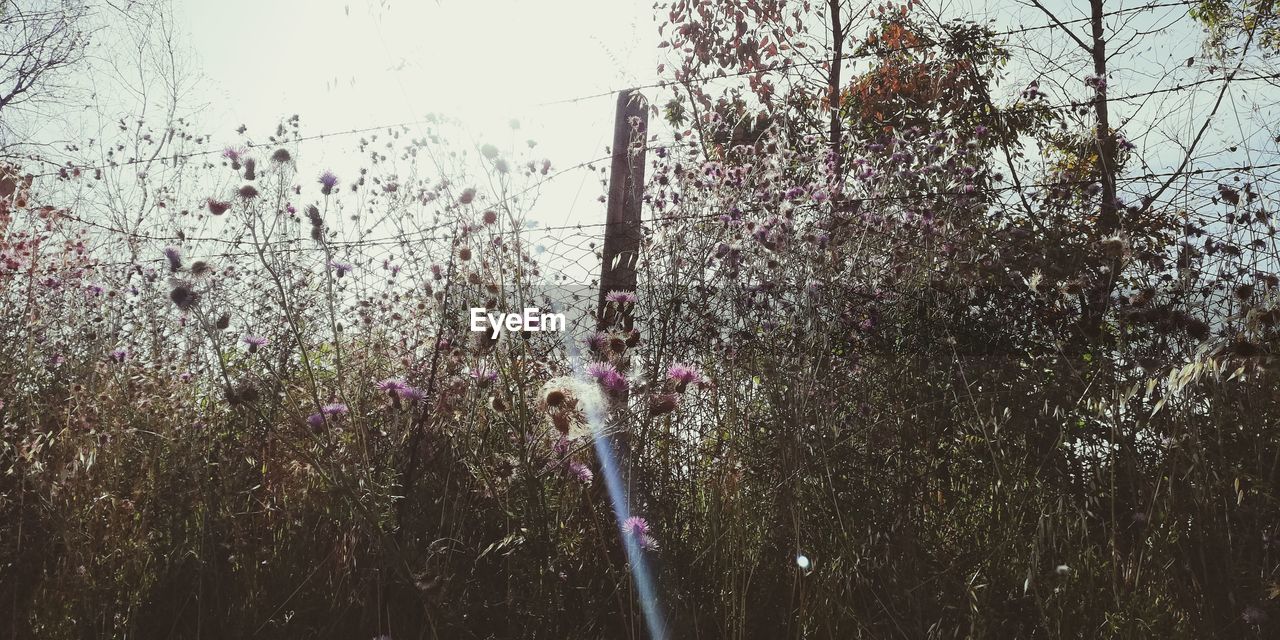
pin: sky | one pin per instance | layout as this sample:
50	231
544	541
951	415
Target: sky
347	64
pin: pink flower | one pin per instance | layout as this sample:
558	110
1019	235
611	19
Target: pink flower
333	409
581	472
620	297
607	375
684	375
255	342
327	182
637	528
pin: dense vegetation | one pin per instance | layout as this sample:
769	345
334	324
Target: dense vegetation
909	358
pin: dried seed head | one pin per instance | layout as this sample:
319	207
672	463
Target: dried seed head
183	297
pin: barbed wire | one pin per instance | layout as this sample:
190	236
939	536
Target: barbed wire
546	232
663	84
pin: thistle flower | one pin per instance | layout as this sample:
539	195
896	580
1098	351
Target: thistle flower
663	403
232	154
119	356
598	341
683	375
411	394
199	268
316	420
281	156
607	375
581	472
637	528
489	216
184	297
254	342
484	377
218	207
327	182
467	196
174	257
248	192
391	385
340	268
334	409
621	297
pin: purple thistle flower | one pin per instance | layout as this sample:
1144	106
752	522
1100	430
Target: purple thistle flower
327	182
621	297
635	526
638	528
174	257
333	409
232	154
412	394
254	342
390	384
119	355
683	374
483	376
598	341
316	420
581	472
607	375
341	268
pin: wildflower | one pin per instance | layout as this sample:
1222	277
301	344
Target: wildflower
327	182
119	356
340	268
607	375
248	192
184	297
255	342
174	257
232	154
663	403
316	420
598	341
412	394
391	385
281	156
490	216
683	375
200	268
581	472
484	377
333	409
621	297
637	528
218	207
467	196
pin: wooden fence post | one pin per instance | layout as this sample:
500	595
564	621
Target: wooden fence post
626	188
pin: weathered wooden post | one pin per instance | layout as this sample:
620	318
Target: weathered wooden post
626	187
